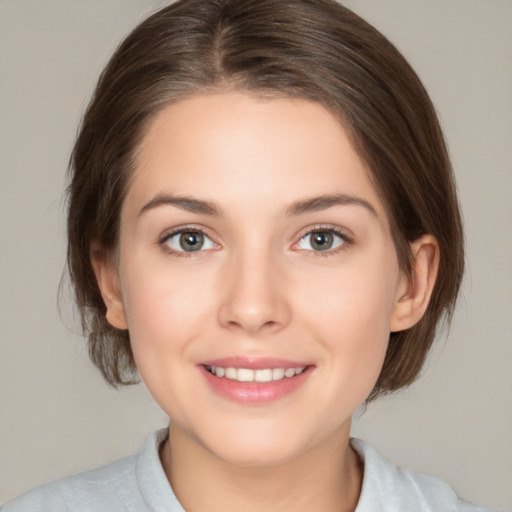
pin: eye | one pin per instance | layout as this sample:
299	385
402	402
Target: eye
188	241
321	240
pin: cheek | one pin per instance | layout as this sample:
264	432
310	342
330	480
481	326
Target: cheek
357	299
165	308
350	317
166	314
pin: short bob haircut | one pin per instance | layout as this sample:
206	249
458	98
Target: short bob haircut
317	50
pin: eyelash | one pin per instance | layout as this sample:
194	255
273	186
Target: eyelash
346	240
162	242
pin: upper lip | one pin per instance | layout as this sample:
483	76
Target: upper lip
253	363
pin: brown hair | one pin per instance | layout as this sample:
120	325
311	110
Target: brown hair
312	49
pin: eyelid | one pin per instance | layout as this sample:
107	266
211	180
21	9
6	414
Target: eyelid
345	234
162	239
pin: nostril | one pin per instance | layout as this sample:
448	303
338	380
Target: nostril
253	325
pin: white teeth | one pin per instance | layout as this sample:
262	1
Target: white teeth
230	373
244	375
278	373
289	372
262	375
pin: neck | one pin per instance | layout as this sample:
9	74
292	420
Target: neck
327	477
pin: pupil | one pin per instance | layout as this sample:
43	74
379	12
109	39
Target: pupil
191	241
322	240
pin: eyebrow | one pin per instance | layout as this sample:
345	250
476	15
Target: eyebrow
324	202
188	204
308	205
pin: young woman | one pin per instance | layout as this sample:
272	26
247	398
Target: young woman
263	226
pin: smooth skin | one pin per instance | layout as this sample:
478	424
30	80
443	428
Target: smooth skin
294	260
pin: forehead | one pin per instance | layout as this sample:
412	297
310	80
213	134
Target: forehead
234	147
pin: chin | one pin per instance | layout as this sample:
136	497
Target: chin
257	456
257	447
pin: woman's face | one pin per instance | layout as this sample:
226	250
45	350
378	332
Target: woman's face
254	247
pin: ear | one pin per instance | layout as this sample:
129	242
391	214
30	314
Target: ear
414	293
108	281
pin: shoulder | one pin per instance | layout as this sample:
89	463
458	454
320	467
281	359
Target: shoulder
101	489
387	487
133	484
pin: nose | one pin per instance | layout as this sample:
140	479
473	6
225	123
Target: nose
253	296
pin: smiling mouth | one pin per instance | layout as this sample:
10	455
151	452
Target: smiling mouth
260	375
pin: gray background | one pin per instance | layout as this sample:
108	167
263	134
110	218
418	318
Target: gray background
57	416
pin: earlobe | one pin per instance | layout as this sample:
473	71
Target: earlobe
415	291
108	282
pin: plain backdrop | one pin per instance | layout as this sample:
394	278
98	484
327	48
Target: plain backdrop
58	417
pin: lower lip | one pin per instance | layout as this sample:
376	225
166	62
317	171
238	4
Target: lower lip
254	392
